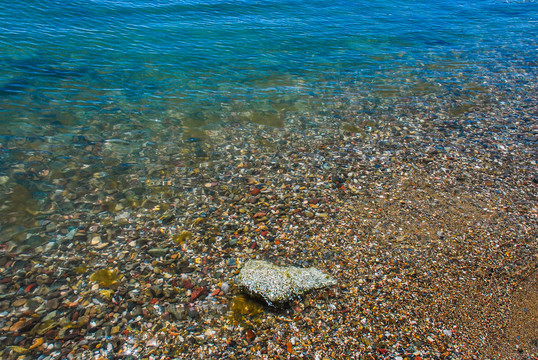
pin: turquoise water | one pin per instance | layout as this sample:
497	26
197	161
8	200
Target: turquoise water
107	89
200	63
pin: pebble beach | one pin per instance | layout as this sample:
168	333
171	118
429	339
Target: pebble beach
276	179
427	223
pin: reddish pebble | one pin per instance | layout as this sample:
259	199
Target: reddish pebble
255	191
187	284
250	335
197	292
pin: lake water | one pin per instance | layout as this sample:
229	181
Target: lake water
197	63
97	85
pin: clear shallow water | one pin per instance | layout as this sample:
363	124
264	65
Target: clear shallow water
66	64
93	89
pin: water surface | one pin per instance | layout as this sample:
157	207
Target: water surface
99	89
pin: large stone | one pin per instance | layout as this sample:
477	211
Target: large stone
280	284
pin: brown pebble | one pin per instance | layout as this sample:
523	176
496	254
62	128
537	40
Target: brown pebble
192	312
250	335
19	325
187	284
197	292
19	302
252	199
52	304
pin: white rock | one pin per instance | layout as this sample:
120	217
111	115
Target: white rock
279	284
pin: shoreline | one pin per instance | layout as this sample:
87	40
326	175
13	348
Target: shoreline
429	228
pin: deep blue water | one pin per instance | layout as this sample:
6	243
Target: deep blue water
67	64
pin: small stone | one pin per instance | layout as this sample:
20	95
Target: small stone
50	227
50	316
101	246
250	335
178	314
192	312
156	291
36	343
34	303
20	325
187	284
158	252
95	239
167	218
198	292
19	302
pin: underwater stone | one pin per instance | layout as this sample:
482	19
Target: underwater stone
158	252
279	284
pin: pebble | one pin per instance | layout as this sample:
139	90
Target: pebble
158	252
156	291
50	227
95	239
192	312
176	312
19	302
225	288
